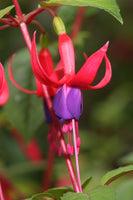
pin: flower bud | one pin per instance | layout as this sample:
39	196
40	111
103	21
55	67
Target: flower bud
59	25
44	40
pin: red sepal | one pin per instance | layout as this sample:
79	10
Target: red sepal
4	91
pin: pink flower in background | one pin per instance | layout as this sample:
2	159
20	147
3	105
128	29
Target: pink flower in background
1	193
4	91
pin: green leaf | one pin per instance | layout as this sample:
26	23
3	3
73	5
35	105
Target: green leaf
24	111
85	184
29	199
125	190
54	193
108	5
102	193
6	11
74	196
110	176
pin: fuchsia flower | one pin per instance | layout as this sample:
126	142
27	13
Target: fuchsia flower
68	101
4	91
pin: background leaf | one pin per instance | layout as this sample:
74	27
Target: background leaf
125	191
116	173
54	193
108	5
85	184
6	10
74	196
102	193
23	110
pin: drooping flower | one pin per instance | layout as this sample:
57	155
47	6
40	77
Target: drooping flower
4	91
83	78
67	102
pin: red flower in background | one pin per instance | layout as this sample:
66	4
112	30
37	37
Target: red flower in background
4	91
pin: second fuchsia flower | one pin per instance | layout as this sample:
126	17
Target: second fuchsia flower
4	91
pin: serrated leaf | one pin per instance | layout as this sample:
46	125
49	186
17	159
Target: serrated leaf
85	184
110	176
74	196
6	11
102	193
23	110
108	5
54	193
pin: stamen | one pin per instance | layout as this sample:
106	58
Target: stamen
65	128
76	153
77	134
72	149
68	138
68	149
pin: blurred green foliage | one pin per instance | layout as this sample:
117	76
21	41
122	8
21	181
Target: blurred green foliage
106	126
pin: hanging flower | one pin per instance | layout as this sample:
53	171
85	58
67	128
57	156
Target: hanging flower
4	91
68	102
73	82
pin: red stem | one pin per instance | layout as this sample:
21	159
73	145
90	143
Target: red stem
18	10
4	26
5	21
26	35
12	19
39	25
51	12
77	23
